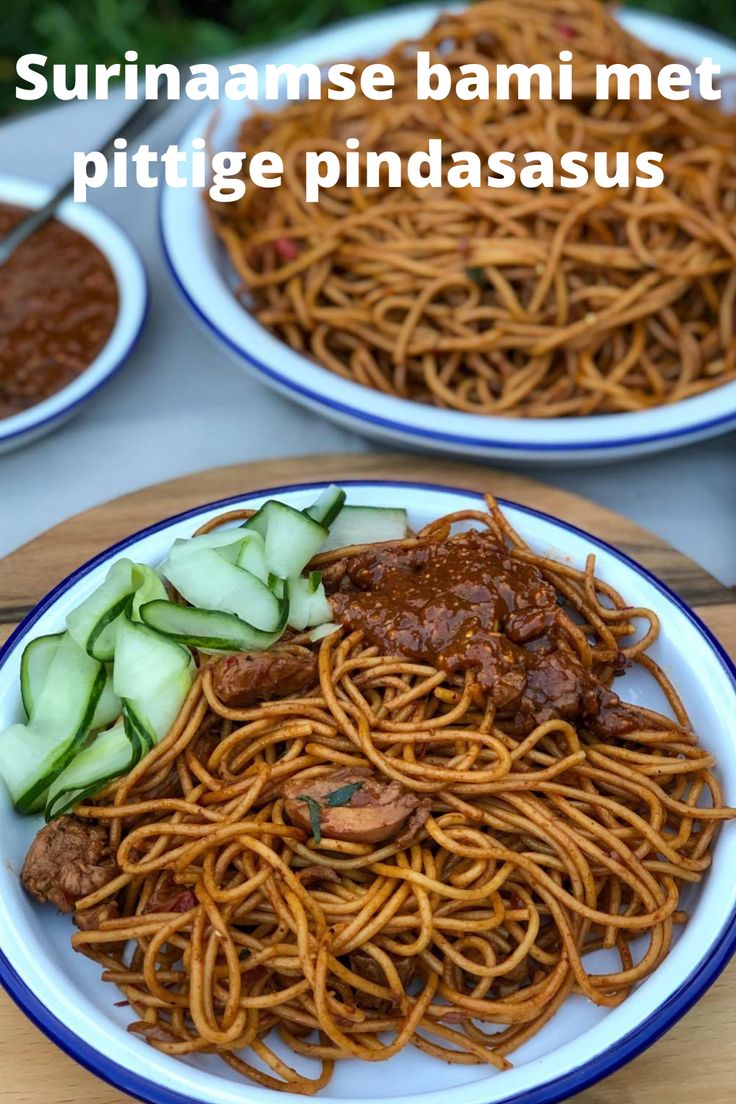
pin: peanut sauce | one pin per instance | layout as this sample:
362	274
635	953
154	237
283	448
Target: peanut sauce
468	604
58	304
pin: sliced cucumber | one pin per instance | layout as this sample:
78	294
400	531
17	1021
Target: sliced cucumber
71	692
291	537
252	555
145	661
148	720
141	738
366	525
149	587
152	675
328	506
308	603
109	755
208	581
227	541
31	756
277	585
94	624
109	706
34	668
322	631
210	630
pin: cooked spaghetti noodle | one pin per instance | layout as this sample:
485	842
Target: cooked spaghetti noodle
533	850
537	303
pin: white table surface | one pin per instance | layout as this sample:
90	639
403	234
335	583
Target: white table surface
181	405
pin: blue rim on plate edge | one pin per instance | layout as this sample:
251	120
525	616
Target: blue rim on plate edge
360	415
612	1059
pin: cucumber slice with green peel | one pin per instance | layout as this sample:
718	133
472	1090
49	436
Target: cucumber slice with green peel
277	585
146	662
34	668
94	623
109	755
308	603
328	506
108	708
140	737
149	587
252	556
208	581
227	541
211	630
366	525
74	683
31	756
148	721
152	675
291	537
29	762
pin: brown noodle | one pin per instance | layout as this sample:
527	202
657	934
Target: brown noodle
538	850
540	303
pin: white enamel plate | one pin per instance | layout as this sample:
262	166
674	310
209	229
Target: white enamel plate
62	991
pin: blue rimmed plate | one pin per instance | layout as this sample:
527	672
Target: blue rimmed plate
62	992
206	281
130	276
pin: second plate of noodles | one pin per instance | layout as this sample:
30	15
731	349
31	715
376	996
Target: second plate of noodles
591	321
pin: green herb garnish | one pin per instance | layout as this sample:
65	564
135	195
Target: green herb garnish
343	795
477	275
244	953
314	811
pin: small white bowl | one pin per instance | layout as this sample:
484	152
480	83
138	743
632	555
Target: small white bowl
130	276
62	992
205	279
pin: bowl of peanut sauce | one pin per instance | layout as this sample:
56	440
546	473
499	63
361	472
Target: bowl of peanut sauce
73	300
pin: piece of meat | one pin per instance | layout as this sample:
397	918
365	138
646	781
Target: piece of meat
69	858
334	574
413	826
367	967
373	813
91	919
311	875
168	896
251	677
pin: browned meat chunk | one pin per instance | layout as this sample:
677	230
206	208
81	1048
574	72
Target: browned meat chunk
68	859
374	808
168	896
313	875
367	967
90	919
413	827
251	677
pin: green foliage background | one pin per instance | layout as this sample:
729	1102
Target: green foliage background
92	31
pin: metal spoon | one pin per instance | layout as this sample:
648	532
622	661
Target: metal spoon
138	120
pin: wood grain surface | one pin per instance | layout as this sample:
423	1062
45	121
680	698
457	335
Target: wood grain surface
695	1061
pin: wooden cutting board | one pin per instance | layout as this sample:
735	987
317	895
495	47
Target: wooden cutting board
693	1062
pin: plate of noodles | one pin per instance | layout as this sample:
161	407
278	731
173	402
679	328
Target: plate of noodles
387	773
589	323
